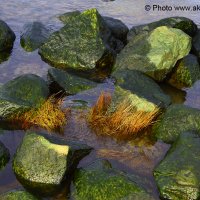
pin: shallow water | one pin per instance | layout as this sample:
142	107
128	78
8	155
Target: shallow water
133	156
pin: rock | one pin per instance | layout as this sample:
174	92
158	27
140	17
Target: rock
137	86
7	37
84	43
18	195
178	175
33	36
196	44
118	29
42	162
177	119
154	53
182	23
186	72
22	93
99	181
4	155
69	83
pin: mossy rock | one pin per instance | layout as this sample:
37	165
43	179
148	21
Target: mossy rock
66	17
99	181
178	118
185	73
7	37
69	83
182	23
140	85
22	93
42	162
154	53
4	155
196	44
33	36
178	175
84	43
18	195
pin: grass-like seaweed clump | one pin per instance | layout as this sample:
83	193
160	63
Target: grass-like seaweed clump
125	121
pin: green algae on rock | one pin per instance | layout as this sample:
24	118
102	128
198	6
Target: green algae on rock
83	44
69	83
154	53
99	181
185	73
18	195
66	17
142	88
182	23
178	118
42	163
7	37
178	175
33	36
4	155
22	93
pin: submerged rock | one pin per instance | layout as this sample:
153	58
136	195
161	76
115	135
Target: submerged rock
177	119
178	175
99	181
4	155
69	83
182	23
33	36
118	29
83	43
18	195
42	162
144	91
186	72
7	37
22	93
154	53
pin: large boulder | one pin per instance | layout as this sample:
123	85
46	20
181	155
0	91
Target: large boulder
22	93
99	181
83	43
33	36
177	119
182	23
185	73
178	175
155	53
4	155
18	195
42	162
118	29
143	90
7	37
69	83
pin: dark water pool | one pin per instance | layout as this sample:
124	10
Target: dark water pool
132	156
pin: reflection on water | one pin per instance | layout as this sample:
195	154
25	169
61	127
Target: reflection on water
130	156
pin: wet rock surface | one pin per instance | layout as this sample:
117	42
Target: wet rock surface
4	155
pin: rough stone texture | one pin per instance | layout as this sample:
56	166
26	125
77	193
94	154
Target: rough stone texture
196	44
7	37
33	36
155	53
18	195
186	72
178	175
182	23
99	181
142	88
4	155
177	119
22	93
41	162
84	43
66	17
67	82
